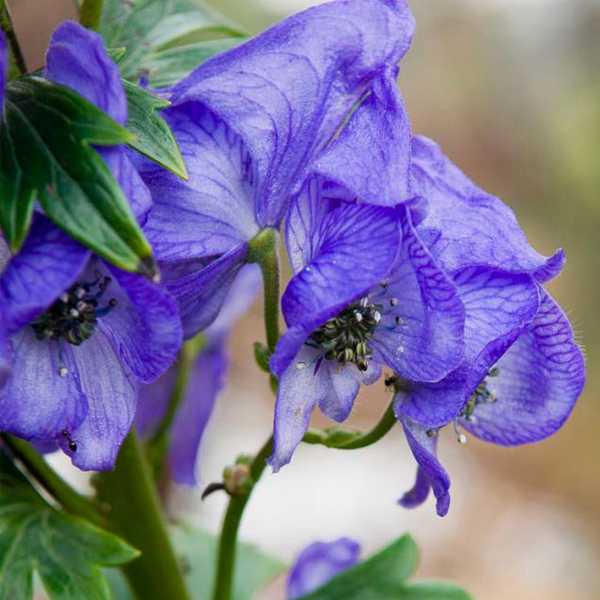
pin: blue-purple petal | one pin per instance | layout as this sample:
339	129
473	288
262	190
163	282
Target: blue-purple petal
287	91
465	226
318	563
47	265
213	210
430	472
200	295
541	377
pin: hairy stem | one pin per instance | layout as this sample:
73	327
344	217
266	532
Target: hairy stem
133	512
383	426
7	27
264	251
90	14
71	501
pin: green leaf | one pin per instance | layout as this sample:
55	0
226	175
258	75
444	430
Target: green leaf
433	590
154	137
46	139
166	67
147	26
66	552
380	577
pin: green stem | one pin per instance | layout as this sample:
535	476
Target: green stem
228	540
264	249
158	445
133	512
6	25
383	426
57	487
90	14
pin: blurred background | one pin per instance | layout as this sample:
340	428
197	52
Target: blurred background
511	90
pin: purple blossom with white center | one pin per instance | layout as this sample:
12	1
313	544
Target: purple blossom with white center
522	371
206	381
318	563
82	333
366	293
255	121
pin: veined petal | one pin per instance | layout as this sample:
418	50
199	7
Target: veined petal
76	58
213	210
111	392
47	265
355	246
498	305
320	562
300	389
144	328
206	381
287	91
3	68
541	377
131	183
43	395
201	294
5	357
430	473
422	337
371	155
467	227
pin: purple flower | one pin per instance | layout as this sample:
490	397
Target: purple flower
522	370
206	381
320	562
366	293
254	122
82	333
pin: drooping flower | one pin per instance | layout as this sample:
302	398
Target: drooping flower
318	563
82	333
366	293
206	381
254	122
522	371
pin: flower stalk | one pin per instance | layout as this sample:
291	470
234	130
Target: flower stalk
134	513
90	14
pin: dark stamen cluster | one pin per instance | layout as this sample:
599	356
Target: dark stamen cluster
481	395
345	337
74	315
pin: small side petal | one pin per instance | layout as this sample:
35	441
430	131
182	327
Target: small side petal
300	390
541	377
111	392
144	328
43	394
430	472
200	295
320	562
47	265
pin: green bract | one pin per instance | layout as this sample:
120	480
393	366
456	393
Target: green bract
46	154
66	552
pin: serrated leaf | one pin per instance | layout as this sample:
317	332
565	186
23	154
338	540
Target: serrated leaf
66	552
166	67
46	153
147	26
153	137
380	577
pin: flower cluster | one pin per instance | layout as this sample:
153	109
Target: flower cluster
400	263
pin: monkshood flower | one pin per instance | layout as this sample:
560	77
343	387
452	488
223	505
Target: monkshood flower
82	333
320	562
253	122
206	381
366	293
522	371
